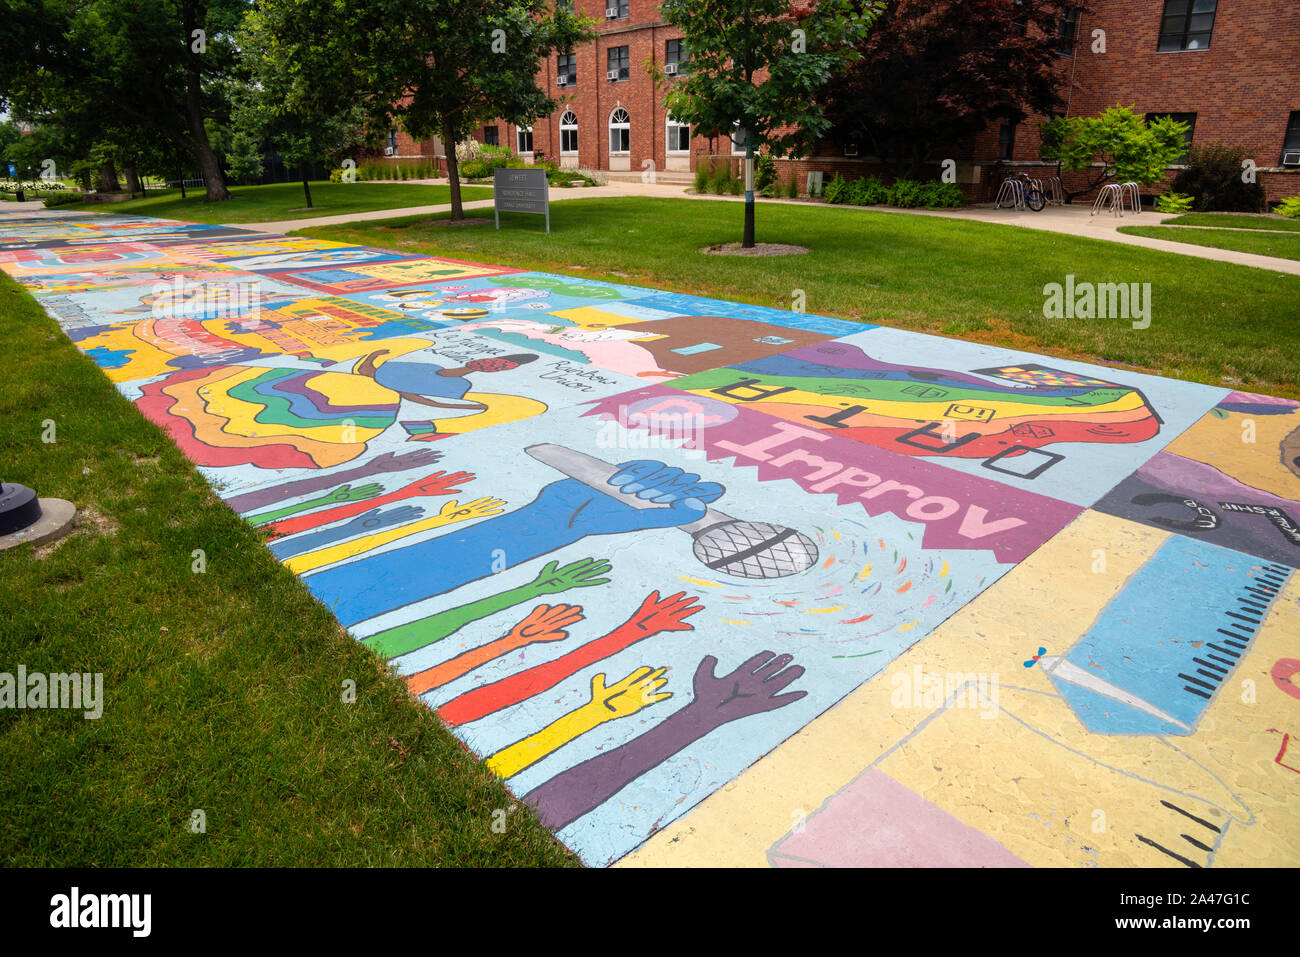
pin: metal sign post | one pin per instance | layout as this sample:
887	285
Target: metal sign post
521	191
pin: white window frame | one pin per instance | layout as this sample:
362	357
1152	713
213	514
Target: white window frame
564	128
518	144
624	125
669	124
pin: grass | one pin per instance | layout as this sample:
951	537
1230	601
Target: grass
1212	322
223	689
1235	221
281	201
1279	245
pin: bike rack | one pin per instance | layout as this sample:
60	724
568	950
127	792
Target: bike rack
1011	193
1114	196
1055	192
1133	192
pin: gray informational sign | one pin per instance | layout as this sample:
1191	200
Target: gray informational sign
521	191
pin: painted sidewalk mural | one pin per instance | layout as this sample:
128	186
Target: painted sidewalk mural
683	572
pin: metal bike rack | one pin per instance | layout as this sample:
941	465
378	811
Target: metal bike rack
1011	193
1133	193
1114	196
1055	192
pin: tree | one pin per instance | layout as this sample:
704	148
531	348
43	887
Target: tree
280	110
162	65
436	67
1218	177
1122	146
759	66
934	73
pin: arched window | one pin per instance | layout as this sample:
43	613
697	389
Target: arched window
568	132
679	136
620	131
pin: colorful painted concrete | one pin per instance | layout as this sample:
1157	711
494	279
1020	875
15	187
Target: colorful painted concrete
710	583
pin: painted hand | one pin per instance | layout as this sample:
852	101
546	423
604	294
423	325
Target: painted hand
544	623
638	690
346	493
583	573
392	462
479	508
752	688
682	498
376	519
439	483
664	614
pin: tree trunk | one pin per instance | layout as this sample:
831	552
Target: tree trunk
181	179
213	179
108	179
748	242
133	181
453	169
302	170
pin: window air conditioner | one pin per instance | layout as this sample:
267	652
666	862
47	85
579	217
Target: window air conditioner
611	13
389	151
562	80
1291	158
670	69
611	75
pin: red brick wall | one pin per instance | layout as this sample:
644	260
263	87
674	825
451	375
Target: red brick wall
1242	88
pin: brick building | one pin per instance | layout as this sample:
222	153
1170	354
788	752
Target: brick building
1226	67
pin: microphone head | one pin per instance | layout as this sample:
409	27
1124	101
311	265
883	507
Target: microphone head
755	550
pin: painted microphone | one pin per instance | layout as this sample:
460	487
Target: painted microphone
722	543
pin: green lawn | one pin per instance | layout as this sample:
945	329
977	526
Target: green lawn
281	201
1211	322
1235	221
1280	245
223	689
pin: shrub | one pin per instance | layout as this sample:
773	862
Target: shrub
836	191
1289	207
764	172
62	198
792	186
939	195
906	194
1174	203
701	178
1213	180
475	169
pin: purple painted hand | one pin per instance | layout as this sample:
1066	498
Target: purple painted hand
753	688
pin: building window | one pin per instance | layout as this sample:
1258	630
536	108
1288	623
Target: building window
1189	119
524	139
568	132
1068	31
618	63
679	136
616	9
1291	142
566	66
620	131
490	136
563	6
675	52
390	143
1187	25
1006	141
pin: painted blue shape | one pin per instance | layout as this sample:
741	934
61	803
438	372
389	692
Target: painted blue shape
684	305
110	358
1172	637
697	348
